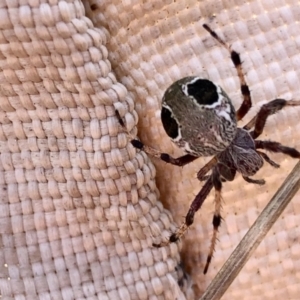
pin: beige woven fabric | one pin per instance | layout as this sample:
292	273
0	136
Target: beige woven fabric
152	44
78	205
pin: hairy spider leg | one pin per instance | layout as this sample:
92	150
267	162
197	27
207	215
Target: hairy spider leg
179	161
189	219
236	59
204	178
277	147
268	109
216	218
255	181
206	168
268	159
259	122
120	120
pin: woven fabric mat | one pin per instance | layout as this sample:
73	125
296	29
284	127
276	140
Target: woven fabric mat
79	206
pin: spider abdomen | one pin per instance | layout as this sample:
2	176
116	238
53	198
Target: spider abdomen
198	116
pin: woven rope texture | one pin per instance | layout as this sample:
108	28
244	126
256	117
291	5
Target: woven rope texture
78	206
154	43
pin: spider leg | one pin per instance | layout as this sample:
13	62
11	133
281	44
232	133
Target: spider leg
235	57
189	219
180	161
204	178
268	109
216	219
120	120
277	147
255	181
268	159
206	168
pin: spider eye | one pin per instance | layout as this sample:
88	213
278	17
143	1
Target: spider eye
203	91
169	123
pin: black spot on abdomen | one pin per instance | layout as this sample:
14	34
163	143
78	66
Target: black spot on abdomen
169	123
204	91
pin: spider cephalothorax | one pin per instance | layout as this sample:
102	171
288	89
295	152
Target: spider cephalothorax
199	117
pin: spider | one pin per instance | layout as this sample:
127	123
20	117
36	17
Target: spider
199	117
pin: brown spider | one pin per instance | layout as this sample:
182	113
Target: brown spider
199	117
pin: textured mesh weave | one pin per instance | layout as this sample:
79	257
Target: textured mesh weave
78	205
